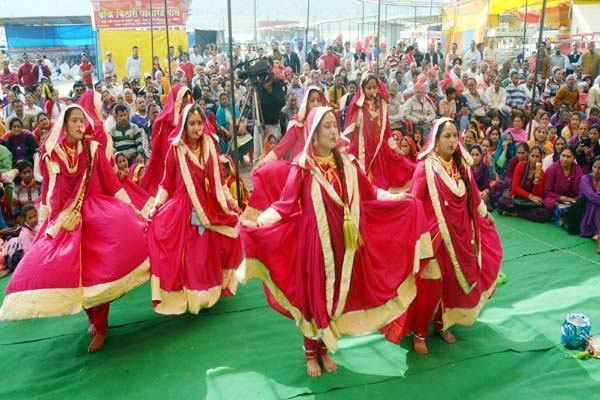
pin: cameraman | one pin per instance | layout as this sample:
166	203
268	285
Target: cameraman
272	100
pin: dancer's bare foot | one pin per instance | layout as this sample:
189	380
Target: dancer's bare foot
97	343
509	214
313	368
598	245
328	363
4	272
448	337
419	346
91	331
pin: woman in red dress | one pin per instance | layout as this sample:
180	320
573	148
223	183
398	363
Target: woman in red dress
269	176
461	276
370	136
331	253
162	130
193	241
81	257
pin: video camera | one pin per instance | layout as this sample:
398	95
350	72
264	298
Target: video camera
257	69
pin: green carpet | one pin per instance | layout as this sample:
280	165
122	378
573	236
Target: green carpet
241	349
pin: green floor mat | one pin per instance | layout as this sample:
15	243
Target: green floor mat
241	349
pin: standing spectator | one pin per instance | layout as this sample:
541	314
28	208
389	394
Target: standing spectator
470	55
290	59
272	100
187	67
7	77
195	57
40	71
574	58
348	54
434	56
331	60
276	55
490	53
127	138
301	51
417	54
557	59
25	73
454	53
313	55
30	112
109	67
133	66
87	69
590	60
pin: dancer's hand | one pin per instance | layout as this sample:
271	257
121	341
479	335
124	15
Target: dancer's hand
153	211
246	223
490	219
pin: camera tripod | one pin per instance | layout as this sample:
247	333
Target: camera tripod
251	106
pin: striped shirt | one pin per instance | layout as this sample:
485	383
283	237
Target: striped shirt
515	96
128	141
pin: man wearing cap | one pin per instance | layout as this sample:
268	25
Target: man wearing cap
330	59
40	70
109	67
313	55
25	73
290	58
7	77
86	70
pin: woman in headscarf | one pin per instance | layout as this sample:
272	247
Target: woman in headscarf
231	182
461	276
162	129
295	137
481	173
76	261
369	134
331	255
505	151
193	241
91	102
559	143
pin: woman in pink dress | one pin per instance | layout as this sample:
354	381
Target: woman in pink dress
331	254
77	261
193	240
270	174
368	131
461	276
162	130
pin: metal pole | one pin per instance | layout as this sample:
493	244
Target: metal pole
430	18
232	104
378	38
255	20
152	32
525	28
168	44
362	29
305	47
537	56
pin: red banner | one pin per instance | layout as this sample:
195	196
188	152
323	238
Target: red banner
131	14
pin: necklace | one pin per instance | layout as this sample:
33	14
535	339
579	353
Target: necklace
450	168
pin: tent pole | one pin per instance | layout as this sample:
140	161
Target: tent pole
378	38
168	44
525	28
232	104
152	32
537	56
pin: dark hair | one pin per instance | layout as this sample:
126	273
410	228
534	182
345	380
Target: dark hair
597	158
567	147
121	154
450	90
538	148
12	122
523	145
134	47
26	208
37	117
22	165
370	76
352	83
495	128
594	109
120	108
595	126
15	101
